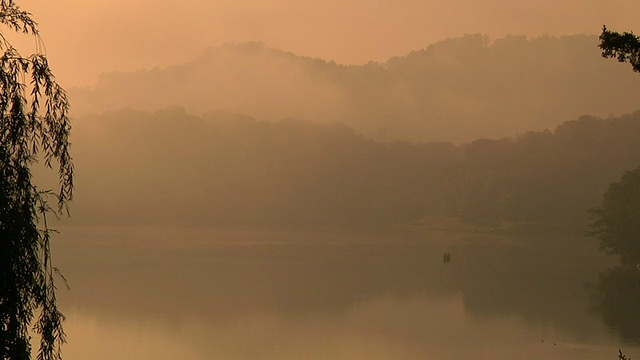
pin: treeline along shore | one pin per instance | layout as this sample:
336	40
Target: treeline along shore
230	170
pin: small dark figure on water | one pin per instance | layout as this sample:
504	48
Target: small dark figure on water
446	258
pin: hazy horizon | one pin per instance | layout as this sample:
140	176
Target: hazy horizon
455	90
325	180
350	32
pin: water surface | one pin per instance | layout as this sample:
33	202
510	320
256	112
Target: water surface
185	293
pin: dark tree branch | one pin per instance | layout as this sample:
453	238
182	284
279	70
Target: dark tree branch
624	47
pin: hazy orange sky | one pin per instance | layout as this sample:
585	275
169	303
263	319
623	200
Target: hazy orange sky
86	38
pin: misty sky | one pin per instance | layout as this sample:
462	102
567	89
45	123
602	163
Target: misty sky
85	38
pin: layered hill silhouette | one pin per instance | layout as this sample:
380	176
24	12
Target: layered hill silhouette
456	90
226	170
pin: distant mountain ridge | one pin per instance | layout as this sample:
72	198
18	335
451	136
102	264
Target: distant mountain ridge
455	90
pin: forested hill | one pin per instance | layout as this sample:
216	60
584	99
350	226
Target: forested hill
455	90
229	170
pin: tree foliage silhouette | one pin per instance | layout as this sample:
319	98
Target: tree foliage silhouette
34	126
616	222
625	47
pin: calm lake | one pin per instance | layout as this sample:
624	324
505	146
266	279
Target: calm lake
185	293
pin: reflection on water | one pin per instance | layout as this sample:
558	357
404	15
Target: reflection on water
200	294
616	296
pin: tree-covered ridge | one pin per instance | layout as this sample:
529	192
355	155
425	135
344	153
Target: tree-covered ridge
225	169
455	90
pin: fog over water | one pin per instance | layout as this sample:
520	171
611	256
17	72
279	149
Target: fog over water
252	204
344	180
203	294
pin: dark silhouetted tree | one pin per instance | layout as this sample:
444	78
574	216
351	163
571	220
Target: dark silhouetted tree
33	127
616	222
625	47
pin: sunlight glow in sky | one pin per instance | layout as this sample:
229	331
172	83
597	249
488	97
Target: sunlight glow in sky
86	38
